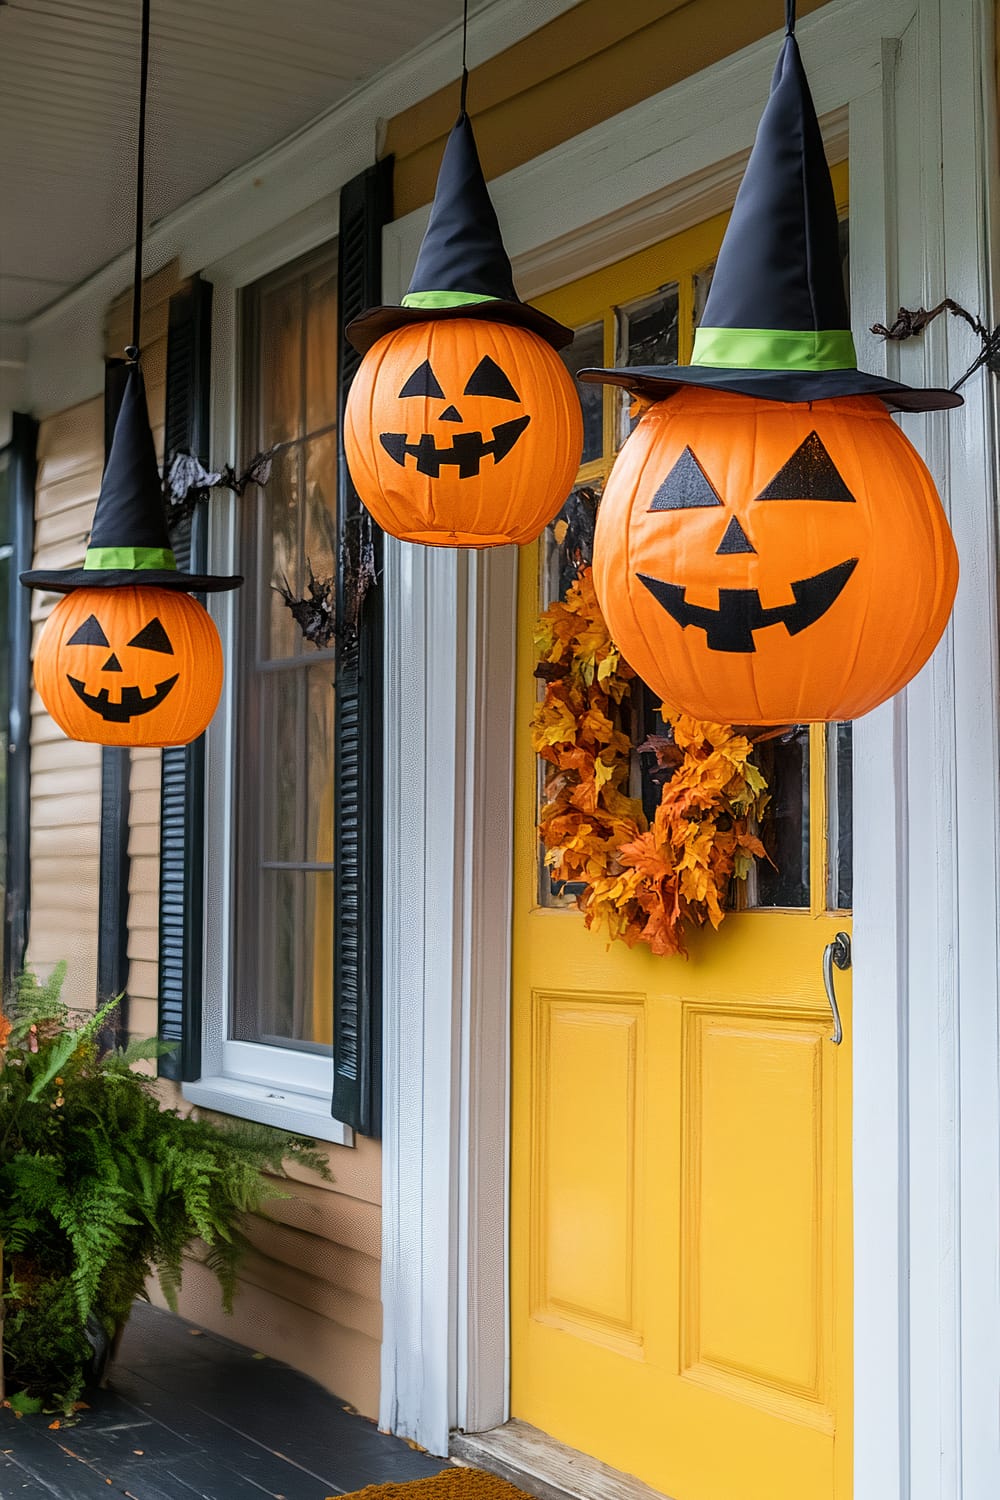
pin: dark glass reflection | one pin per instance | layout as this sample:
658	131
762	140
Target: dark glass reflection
652	330
841	780
783	878
647	335
587	349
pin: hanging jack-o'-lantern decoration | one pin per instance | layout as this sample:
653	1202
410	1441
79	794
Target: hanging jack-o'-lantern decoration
127	658
790	561
462	427
770	548
463	433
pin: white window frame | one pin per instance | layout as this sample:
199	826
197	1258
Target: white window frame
280	1086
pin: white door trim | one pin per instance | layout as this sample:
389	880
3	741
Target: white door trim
926	826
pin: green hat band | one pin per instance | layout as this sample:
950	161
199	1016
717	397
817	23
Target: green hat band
774	349
444	299
129	559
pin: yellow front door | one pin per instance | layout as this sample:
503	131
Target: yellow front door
681	1159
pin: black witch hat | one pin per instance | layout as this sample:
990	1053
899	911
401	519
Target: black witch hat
779	266
129	545
462	270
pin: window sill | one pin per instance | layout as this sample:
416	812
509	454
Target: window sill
304	1114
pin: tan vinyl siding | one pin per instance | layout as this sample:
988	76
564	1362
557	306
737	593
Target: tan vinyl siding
65	775
309	1292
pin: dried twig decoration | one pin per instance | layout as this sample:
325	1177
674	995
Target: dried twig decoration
911	321
316	614
188	481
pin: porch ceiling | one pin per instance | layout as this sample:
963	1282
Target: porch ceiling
228	80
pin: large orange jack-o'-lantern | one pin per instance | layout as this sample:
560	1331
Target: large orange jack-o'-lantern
463	427
770	549
129	666
463	433
787	562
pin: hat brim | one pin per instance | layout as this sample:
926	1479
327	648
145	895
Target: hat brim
370	326
127	578
661	381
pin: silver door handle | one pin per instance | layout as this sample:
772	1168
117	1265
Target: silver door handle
838	952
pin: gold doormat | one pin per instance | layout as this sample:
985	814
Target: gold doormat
450	1484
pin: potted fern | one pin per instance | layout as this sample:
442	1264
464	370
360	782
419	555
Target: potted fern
100	1188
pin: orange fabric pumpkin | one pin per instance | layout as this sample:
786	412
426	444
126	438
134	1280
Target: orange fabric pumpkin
768	563
129	666
463	433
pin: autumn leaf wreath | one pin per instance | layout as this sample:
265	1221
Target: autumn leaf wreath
647	882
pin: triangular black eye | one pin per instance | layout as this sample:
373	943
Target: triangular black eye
89	634
686	487
153	637
423	382
487	379
810	474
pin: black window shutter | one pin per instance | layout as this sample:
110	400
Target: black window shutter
365	206
182	785
112	923
23	471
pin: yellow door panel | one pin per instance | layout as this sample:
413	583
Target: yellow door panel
586	1164
754	1325
681	1133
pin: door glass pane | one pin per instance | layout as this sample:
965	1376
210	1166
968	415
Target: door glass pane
567	547
840	882
587	349
783	878
568	542
646	334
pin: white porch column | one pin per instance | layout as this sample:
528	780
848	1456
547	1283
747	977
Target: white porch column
926	1098
450	642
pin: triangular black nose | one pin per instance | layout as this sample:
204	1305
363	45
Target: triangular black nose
112	664
735	539
451	414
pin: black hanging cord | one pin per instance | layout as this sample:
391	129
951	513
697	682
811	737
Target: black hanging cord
465	43
132	352
789	17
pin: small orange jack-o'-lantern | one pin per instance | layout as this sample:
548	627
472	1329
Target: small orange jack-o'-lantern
129	666
463	433
762	562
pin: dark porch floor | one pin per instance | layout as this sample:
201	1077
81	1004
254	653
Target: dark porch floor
191	1416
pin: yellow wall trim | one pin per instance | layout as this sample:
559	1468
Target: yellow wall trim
587	65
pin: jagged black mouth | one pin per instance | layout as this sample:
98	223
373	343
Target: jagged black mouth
740	612
132	704
466	453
